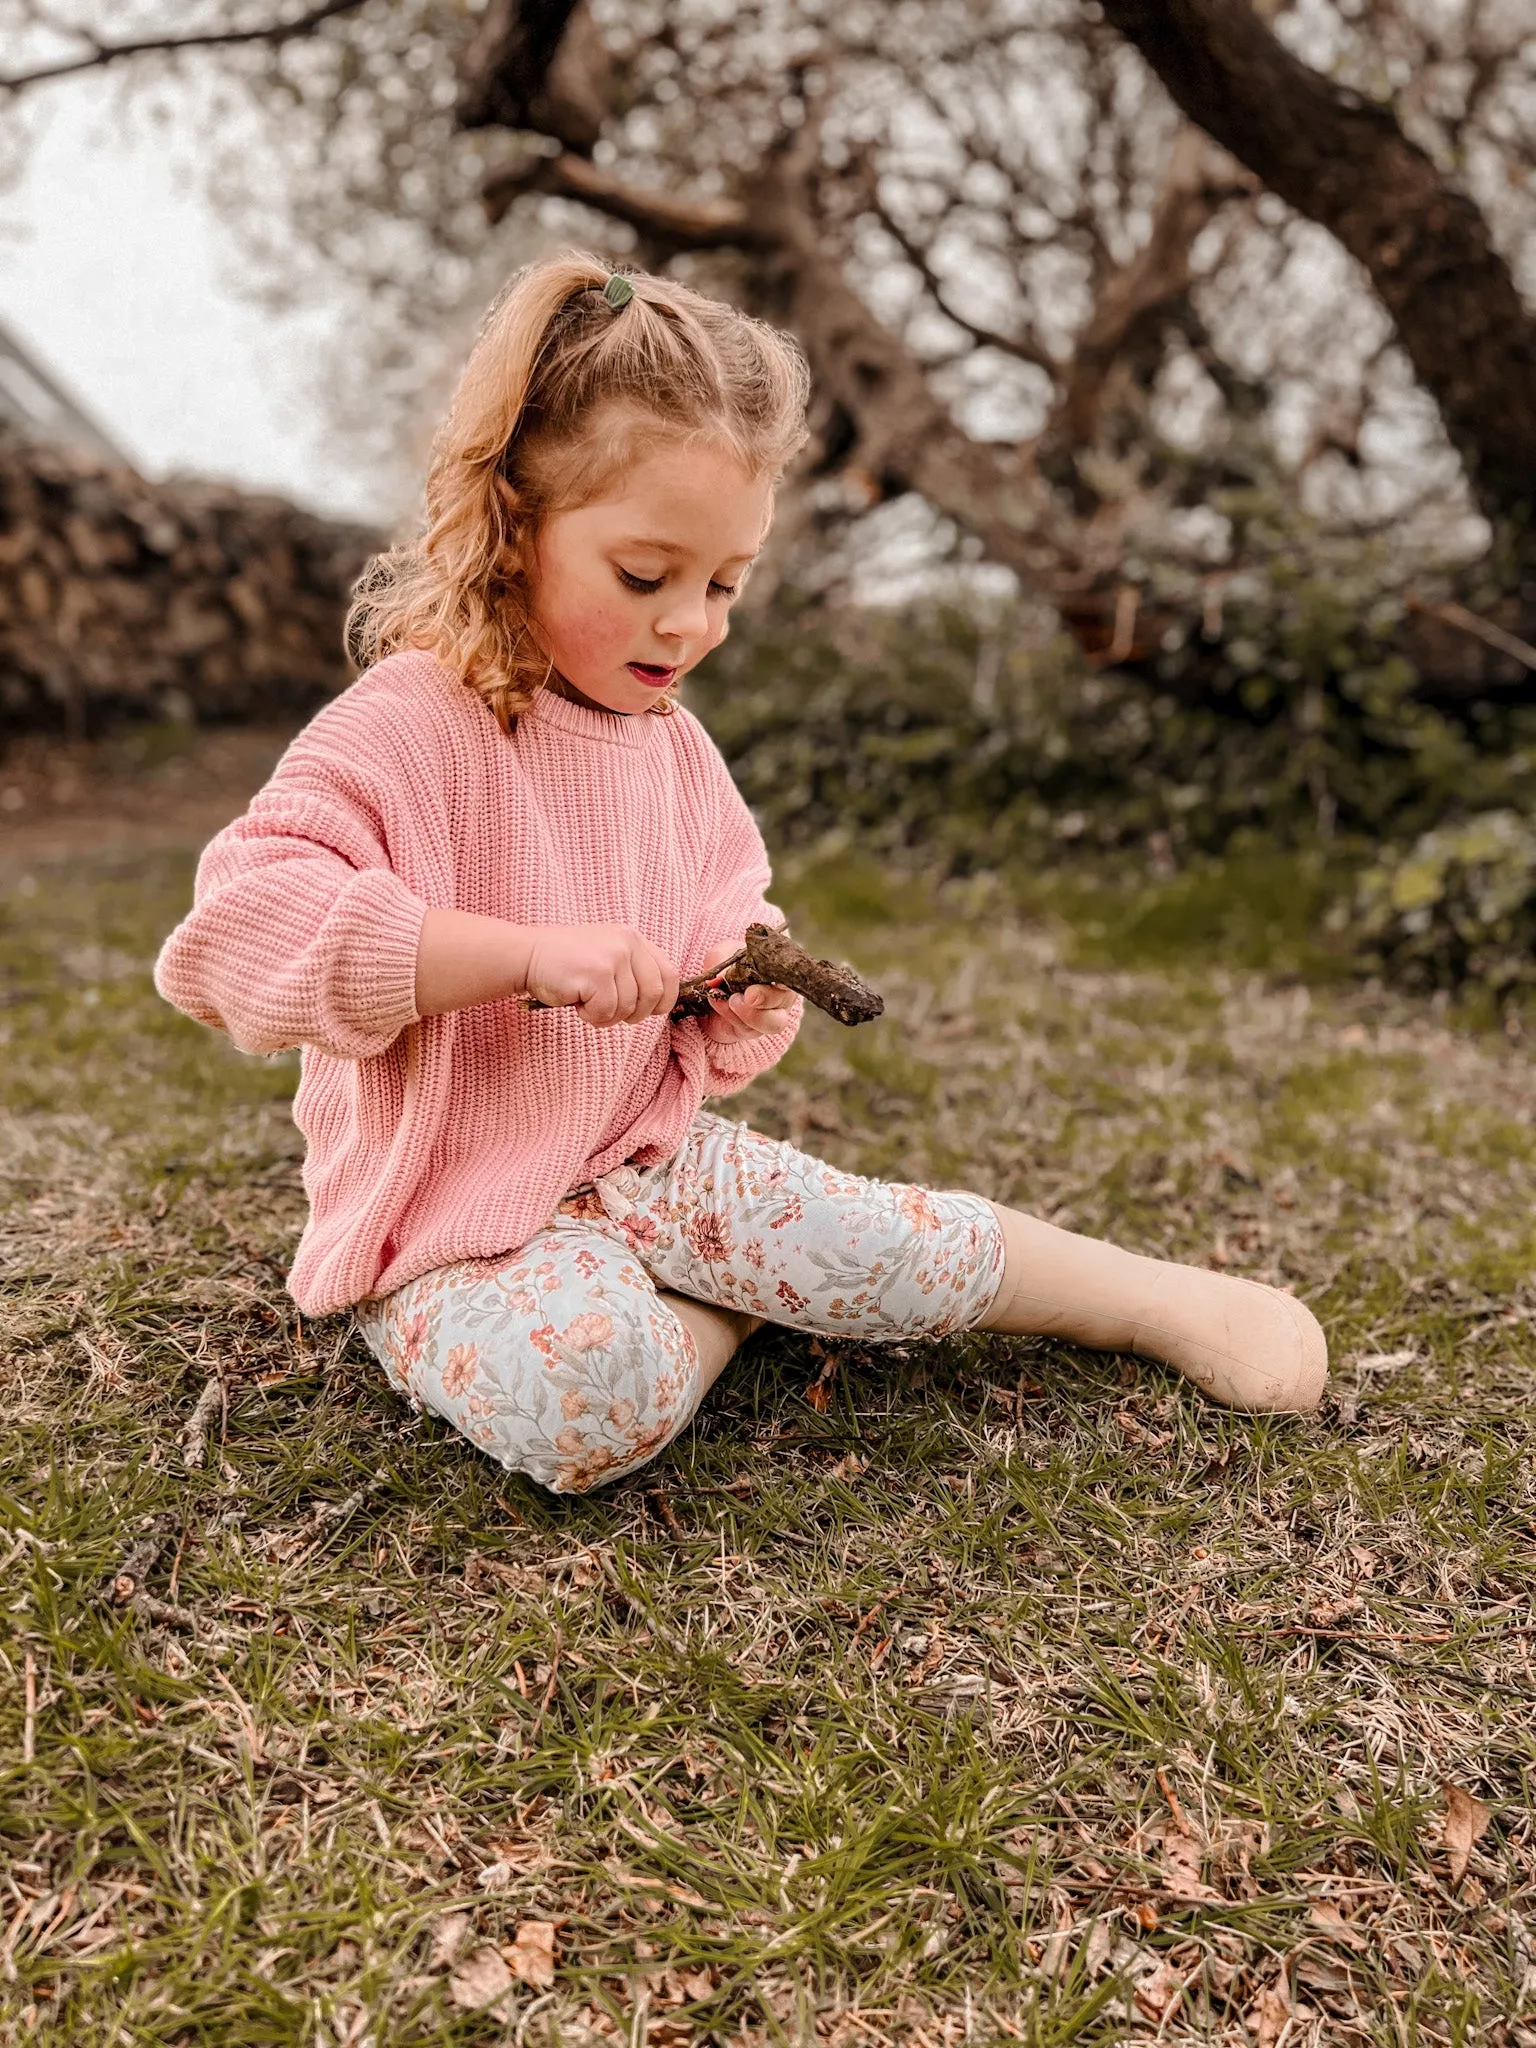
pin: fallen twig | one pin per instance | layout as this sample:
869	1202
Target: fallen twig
193	1439
326	1516
126	1582
665	1510
165	1612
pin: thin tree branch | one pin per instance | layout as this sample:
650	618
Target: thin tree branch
99	54
990	337
678	223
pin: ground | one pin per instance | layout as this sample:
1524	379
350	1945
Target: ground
987	1691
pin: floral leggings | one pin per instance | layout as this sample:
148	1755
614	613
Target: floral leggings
562	1360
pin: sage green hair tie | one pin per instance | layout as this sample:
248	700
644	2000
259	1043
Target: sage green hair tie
618	291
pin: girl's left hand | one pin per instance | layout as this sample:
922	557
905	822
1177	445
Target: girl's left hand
755	1013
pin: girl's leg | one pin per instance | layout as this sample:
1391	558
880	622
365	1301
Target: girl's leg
718	1333
1247	1345
561	1361
749	1223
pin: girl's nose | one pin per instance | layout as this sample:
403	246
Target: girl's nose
685	618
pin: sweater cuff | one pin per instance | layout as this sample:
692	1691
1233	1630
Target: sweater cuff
731	1063
376	974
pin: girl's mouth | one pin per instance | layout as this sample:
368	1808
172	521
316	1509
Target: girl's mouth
650	673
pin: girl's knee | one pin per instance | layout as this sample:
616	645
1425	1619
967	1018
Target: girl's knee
562	1364
942	1260
596	1412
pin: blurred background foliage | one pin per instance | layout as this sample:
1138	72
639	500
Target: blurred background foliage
1171	482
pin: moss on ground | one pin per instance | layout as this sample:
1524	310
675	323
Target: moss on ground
1002	1693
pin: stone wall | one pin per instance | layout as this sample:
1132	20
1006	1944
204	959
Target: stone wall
177	600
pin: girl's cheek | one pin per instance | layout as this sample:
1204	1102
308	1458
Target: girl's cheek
593	637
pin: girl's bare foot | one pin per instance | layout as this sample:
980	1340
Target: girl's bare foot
1244	1344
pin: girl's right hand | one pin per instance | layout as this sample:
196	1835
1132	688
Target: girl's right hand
607	972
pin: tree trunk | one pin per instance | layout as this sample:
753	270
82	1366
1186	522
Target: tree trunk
1345	163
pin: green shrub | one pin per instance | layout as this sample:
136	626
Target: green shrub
1459	906
941	727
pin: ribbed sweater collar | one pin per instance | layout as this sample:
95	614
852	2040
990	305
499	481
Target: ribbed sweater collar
581	721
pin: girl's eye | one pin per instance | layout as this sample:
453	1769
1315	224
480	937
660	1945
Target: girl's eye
648	585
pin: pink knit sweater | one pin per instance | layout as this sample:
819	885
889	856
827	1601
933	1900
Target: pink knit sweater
432	1140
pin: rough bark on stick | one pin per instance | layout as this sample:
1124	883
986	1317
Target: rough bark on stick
125	1583
770	958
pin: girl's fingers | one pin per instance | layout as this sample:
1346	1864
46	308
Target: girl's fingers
658	980
601	1006
629	1007
648	986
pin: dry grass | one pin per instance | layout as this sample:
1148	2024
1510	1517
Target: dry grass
999	1693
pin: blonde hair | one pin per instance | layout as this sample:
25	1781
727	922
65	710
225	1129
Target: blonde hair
522	439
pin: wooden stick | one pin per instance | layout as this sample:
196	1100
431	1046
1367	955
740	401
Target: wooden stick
771	959
193	1439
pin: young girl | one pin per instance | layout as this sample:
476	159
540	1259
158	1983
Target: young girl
548	1241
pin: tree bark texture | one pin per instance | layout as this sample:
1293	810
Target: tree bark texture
1346	164
769	958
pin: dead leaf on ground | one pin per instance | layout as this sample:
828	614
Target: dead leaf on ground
1315	1972
1329	1613
678	1987
1181	1866
485	1574
1157	1994
1271	2012
819	1392
480	1980
513	1856
602	2024
532	1953
1326	1917
448	1937
1097	1950
1466	1822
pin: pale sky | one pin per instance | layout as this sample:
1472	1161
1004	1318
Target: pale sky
118	278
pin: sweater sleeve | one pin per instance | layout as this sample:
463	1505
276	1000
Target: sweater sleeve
300	933
736	886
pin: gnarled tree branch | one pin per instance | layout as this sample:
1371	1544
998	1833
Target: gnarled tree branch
99	55
770	958
1345	162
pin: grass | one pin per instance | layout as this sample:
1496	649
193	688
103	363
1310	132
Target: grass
1001	1693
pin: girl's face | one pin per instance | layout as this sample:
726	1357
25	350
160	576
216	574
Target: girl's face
630	592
